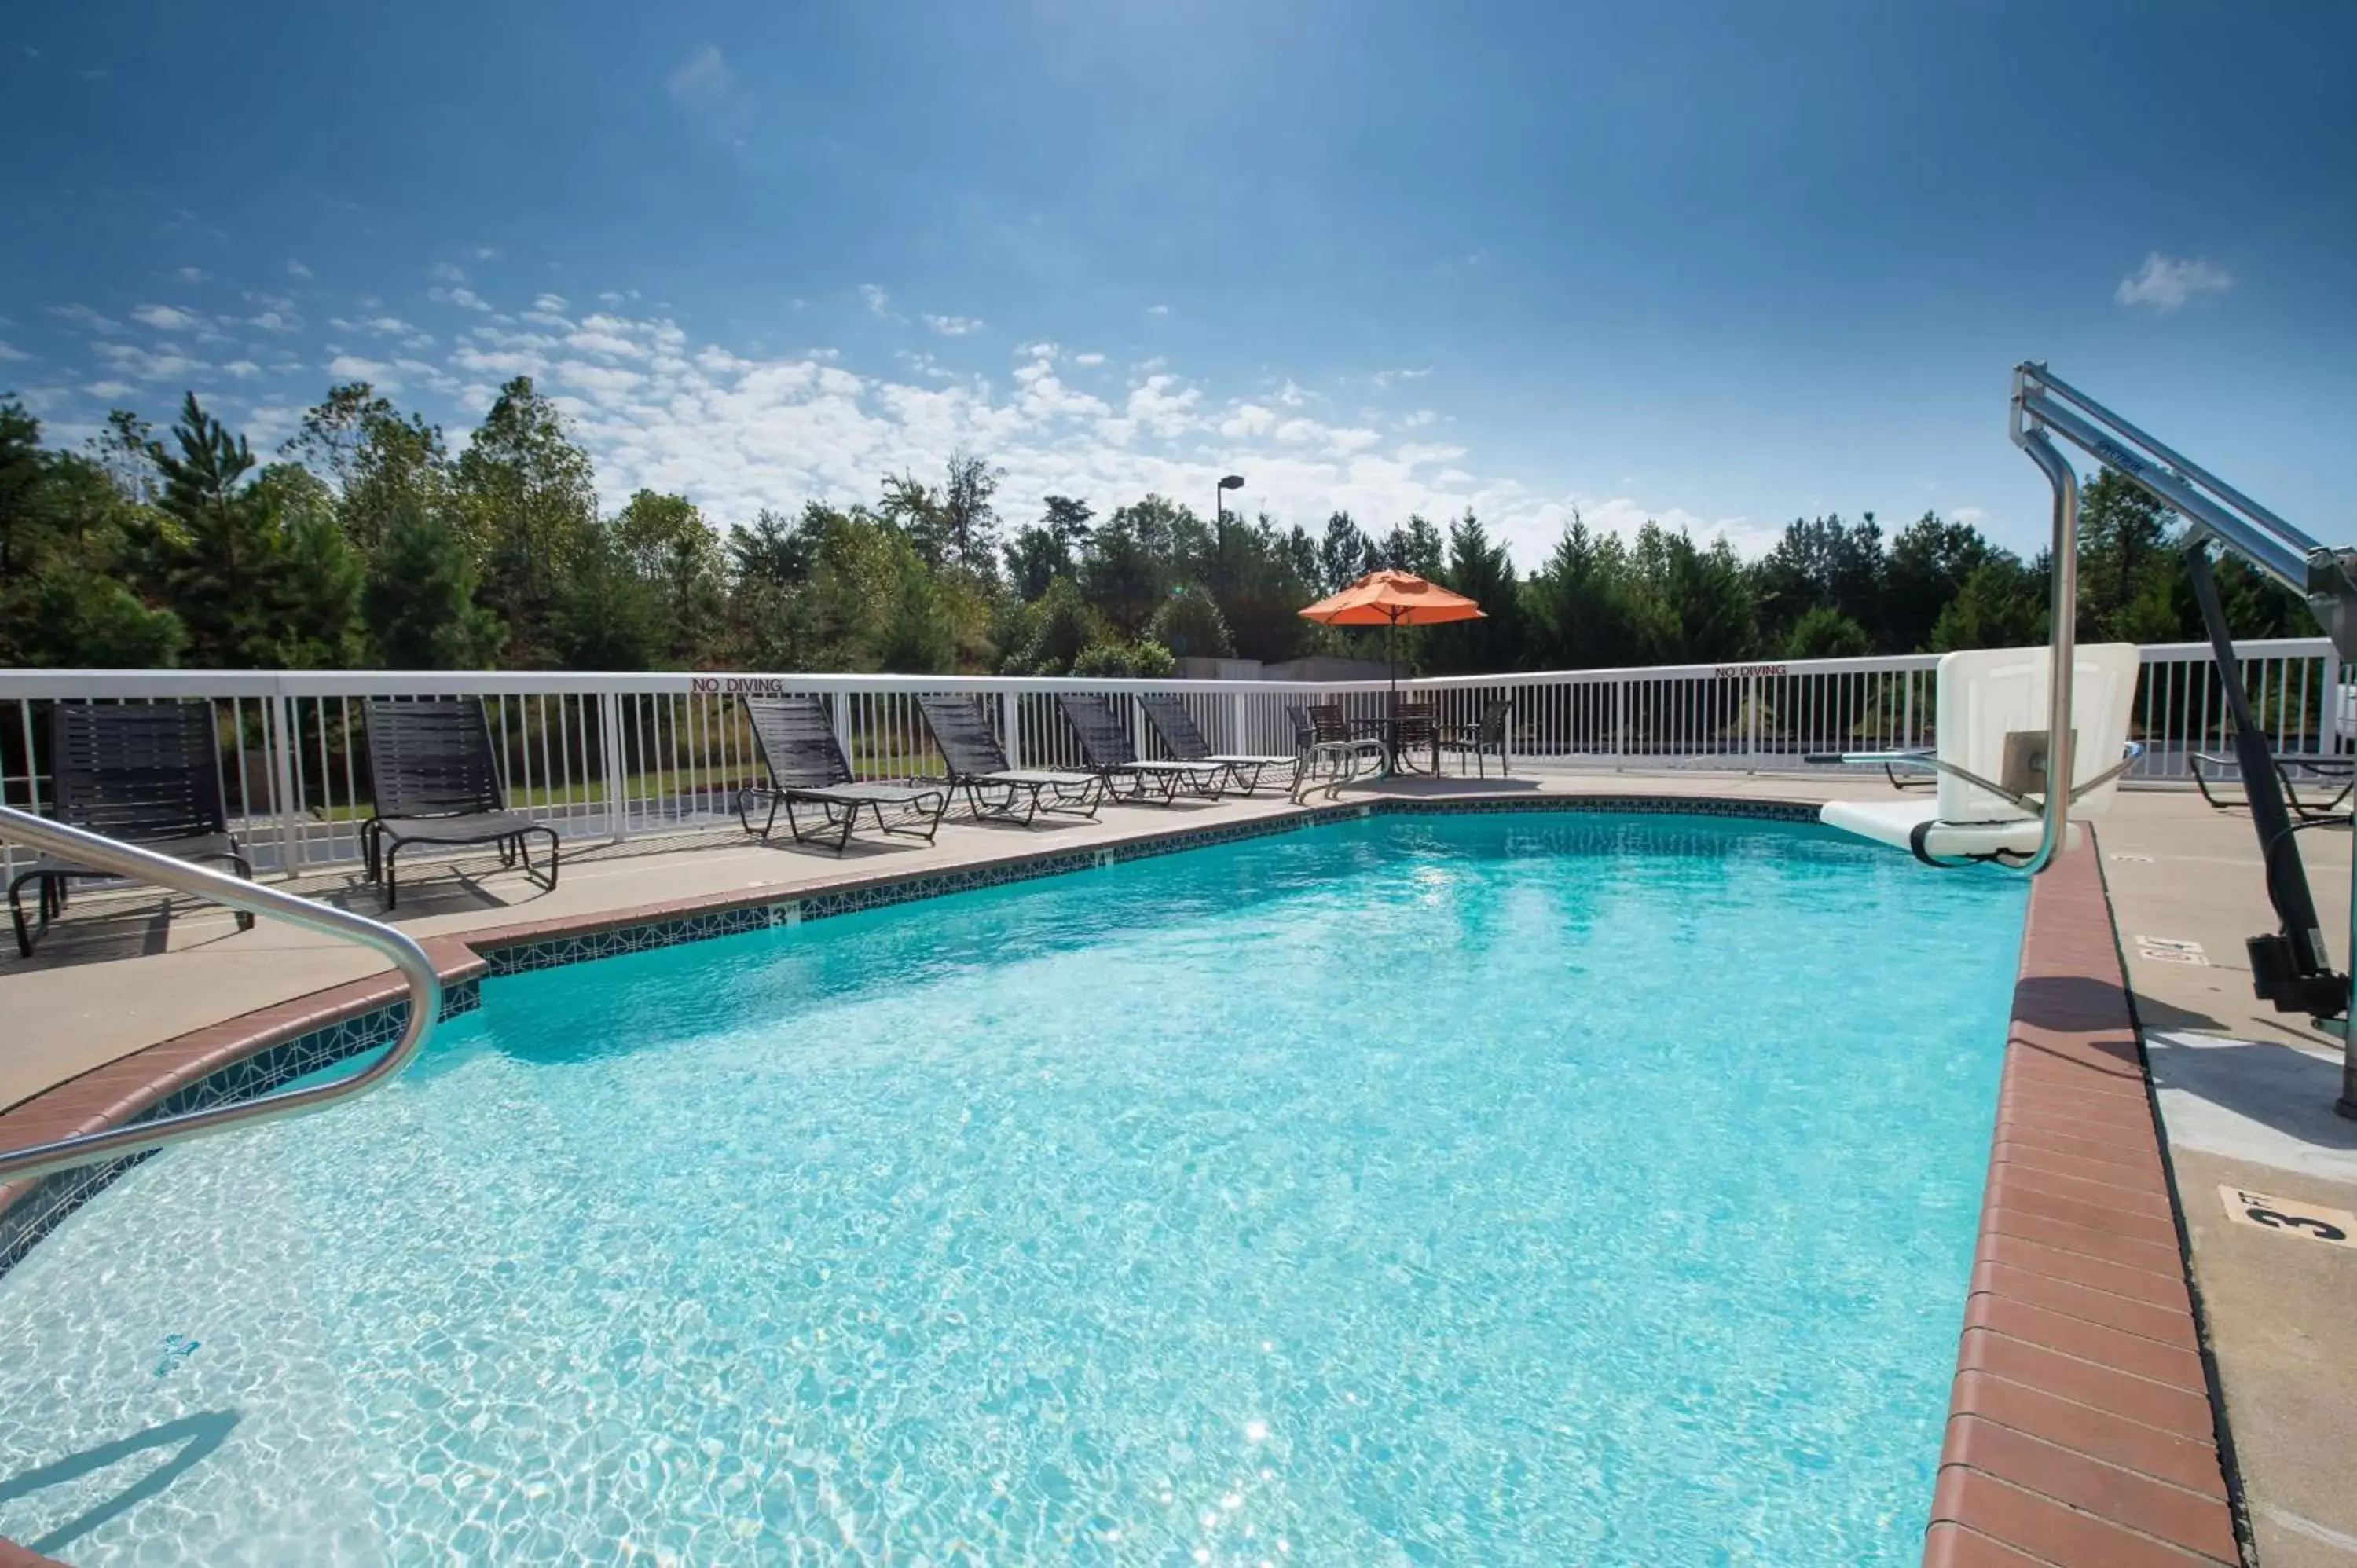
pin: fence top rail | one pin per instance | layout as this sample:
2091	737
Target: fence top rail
35	685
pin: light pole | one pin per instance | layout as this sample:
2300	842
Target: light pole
1220	496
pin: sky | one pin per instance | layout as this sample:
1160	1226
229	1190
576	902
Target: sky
1718	264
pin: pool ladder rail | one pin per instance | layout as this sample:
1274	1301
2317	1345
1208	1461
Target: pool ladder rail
138	865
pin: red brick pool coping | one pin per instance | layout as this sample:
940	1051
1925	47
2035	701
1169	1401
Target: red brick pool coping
2080	1431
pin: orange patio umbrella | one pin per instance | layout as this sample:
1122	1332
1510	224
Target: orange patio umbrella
1393	599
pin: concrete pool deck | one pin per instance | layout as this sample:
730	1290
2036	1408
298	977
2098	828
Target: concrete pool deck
2241	1093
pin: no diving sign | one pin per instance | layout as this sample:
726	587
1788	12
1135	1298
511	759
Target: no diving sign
2290	1216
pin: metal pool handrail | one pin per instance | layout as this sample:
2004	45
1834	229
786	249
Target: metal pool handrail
146	866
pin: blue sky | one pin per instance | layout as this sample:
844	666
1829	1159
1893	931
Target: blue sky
1716	264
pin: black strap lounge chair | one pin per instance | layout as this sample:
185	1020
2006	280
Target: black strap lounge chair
807	768
1175	726
147	773
1106	744
978	765
1483	738
437	781
2334	772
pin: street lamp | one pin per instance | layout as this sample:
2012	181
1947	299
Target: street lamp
1220	496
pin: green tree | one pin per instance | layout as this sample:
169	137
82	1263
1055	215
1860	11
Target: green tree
324	574
227	577
916	636
1035	559
1059	626
606	615
1823	632
1582	607
74	546
1930	560
1484	571
419	601
1189	623
524	497
672	550
2001	604
1345	554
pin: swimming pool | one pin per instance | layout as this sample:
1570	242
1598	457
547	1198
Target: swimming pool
1515	1188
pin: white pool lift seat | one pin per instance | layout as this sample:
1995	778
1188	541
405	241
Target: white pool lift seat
1991	756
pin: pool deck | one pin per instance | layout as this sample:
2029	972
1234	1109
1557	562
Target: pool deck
2082	1430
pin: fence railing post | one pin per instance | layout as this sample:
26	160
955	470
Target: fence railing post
609	736
1010	725
1619	718
282	776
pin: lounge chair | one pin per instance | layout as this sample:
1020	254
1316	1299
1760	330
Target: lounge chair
1111	754
147	773
1175	726
807	768
436	782
978	765
1484	737
2334	771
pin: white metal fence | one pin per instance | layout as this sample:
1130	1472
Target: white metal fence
629	755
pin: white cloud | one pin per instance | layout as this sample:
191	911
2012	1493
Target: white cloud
460	295
1249	419
275	321
552	303
8	352
449	272
609	297
352	368
82	316
486	252
737	428
1967	514
295	269
879	304
701	77
951	326
165	317
2169	282
192	274
143	364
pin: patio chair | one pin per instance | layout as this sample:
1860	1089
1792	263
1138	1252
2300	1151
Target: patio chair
147	773
1175	726
1111	755
806	766
1414	732
978	765
437	780
1486	736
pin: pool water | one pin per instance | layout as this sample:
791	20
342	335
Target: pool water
1490	1189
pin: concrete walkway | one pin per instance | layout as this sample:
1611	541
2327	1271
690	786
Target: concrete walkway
2245	1096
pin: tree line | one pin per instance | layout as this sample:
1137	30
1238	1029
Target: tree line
365	542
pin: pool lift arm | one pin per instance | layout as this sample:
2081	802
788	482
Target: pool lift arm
2290	967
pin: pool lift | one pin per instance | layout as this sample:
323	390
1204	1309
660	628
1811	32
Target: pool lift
1993	761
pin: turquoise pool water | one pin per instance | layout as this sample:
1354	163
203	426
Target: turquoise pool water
1525	1189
